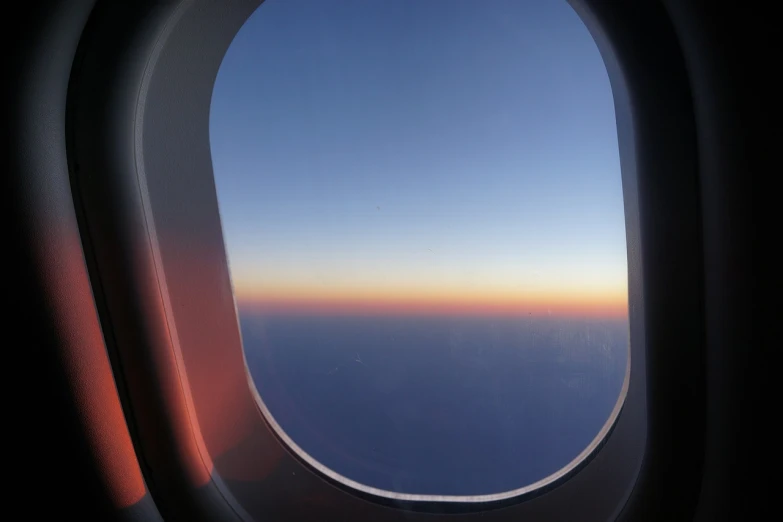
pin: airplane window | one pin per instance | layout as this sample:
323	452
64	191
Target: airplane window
423	214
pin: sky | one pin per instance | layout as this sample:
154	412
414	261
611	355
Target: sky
455	156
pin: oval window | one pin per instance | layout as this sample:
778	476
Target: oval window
423	214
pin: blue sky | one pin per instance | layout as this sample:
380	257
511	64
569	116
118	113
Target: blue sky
452	149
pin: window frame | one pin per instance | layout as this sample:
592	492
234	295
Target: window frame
138	123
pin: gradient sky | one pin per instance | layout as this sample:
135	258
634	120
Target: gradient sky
443	154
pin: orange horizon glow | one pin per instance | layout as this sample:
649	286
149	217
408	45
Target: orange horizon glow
585	304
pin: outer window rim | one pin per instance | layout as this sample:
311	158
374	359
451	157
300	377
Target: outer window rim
629	417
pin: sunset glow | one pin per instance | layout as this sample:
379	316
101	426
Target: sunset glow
432	306
585	301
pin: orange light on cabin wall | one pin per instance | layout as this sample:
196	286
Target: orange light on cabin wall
87	366
226	424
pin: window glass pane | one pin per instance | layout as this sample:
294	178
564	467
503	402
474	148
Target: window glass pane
423	214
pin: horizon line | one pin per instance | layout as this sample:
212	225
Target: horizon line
378	307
